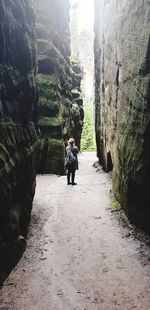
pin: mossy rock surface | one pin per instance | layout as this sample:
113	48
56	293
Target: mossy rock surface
20	154
50	127
49	103
53	156
47	81
48	88
60	115
50	121
47	107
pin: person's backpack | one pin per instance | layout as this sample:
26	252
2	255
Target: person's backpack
70	158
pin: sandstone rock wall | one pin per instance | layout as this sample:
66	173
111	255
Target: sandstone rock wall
60	105
19	144
122	58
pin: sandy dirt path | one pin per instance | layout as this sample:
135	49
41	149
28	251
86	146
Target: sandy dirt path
77	257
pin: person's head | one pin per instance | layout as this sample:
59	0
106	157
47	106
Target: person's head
71	142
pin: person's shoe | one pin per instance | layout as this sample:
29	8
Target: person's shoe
74	183
69	183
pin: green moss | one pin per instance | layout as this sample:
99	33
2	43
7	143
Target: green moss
56	147
50	121
116	205
53	158
51	127
74	58
132	130
117	192
48	89
48	107
47	81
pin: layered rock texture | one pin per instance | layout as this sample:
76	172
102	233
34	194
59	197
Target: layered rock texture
60	104
58	115
20	148
122	59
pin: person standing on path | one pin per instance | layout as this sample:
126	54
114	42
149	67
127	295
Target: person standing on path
72	161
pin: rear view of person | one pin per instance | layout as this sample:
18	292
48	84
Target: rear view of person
72	161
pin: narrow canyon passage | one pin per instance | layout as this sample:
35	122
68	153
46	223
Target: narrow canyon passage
77	256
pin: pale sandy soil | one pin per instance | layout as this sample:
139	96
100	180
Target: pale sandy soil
77	255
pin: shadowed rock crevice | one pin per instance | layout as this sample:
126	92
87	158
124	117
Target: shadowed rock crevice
109	162
145	68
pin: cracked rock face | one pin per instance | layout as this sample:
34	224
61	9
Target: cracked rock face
17	60
19	145
122	75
